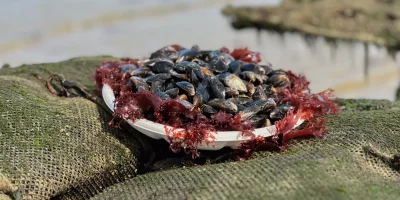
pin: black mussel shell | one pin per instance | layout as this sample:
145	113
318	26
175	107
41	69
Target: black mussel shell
224	105
218	89
187	87
127	68
218	65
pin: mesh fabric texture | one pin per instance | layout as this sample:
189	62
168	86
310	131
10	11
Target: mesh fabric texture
53	145
335	167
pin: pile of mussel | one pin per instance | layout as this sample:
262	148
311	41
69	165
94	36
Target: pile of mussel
212	81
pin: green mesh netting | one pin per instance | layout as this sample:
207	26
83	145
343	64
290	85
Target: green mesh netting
336	167
51	145
62	148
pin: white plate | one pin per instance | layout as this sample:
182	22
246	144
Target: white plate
154	130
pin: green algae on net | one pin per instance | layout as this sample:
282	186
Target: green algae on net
368	21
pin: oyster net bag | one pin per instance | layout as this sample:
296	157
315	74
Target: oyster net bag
62	148
53	146
357	159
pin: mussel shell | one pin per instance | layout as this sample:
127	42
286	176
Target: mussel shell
142	88
248	76
151	62
202	95
218	65
182	96
248	67
214	54
206	81
233	81
187	87
186	55
206	72
279	81
259	120
253	77
256	107
162	95
193	78
250	87
229	92
244	96
276	72
196	69
218	89
267	69
195	48
227	58
259	70
162	67
235	67
260	94
260	78
240	107
280	111
155	77
206	109
139	82
142	71
224	105
167	54
200	59
185	103
263	78
264	104
182	66
174	92
158	86
170	85
179	76
127	68
241	100
268	89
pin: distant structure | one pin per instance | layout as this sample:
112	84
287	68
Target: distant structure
367	21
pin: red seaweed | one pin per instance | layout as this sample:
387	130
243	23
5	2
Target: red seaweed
246	55
310	107
109	73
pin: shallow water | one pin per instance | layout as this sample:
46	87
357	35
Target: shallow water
48	32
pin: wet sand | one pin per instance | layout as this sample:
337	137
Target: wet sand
123	28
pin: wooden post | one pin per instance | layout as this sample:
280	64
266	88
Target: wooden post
366	61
